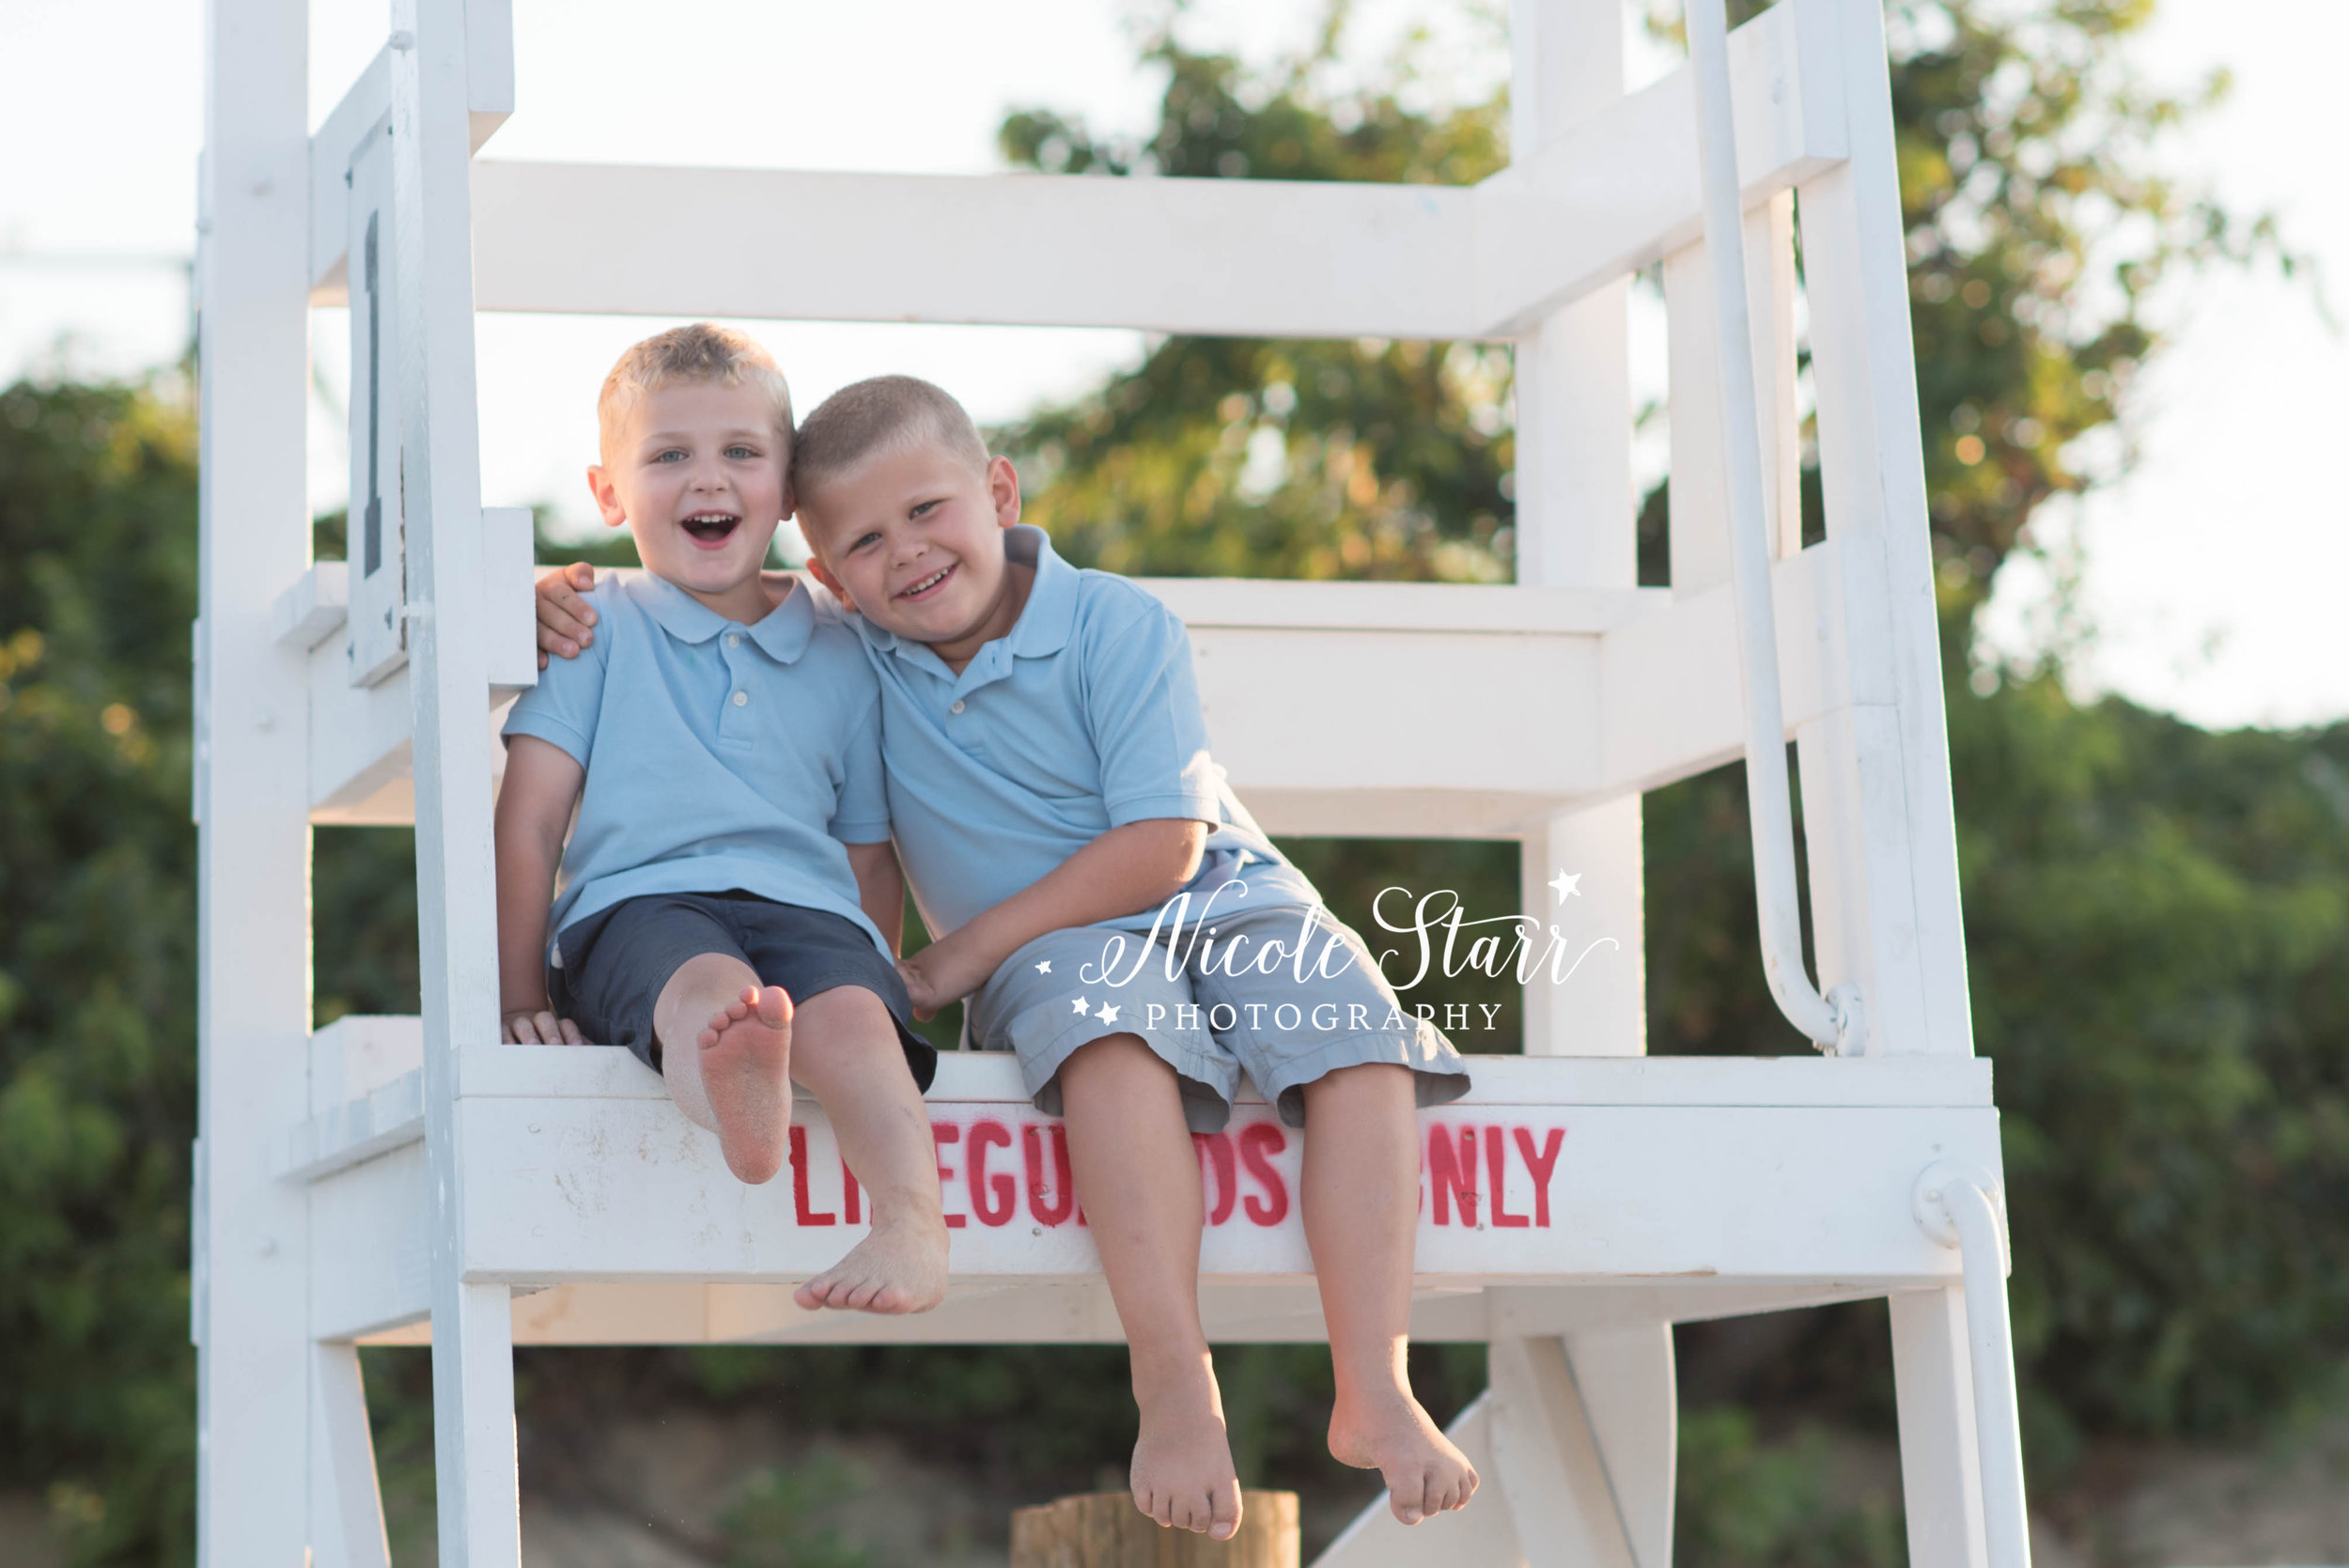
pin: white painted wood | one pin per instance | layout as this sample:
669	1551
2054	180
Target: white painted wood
375	528
1599	1008
361	1052
1699	486
477	1493
1481	1535
1167	255
1008	1311
1941	1464
1629	1394
313	608
509	618
252	996
346	1504
1782	1193
362	108
382	1119
1871	469
361	113
1691	652
382	1107
1619	190
1576	527
1581	603
1547	1463
1044	250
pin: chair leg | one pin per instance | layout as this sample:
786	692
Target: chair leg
346	1505
1548	1461
473	1427
1630	1394
1941	1460
1481	1535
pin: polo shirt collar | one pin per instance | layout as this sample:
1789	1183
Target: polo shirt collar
1049	616
781	633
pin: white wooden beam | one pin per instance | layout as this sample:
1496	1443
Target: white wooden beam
1652	699
1620	190
1251	257
1830	635
1547	1462
346	1504
363	110
1907	934
472	1375
253	877
1941	1460
1629	1391
1165	254
1577	528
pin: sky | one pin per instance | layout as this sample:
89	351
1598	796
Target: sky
2211	573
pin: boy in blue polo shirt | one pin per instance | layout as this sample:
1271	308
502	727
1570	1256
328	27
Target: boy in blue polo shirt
1105	904
729	899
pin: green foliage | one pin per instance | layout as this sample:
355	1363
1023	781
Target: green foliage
2040	228
2159	940
96	1037
1289	457
1748	1504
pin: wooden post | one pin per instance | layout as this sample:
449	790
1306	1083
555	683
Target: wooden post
1104	1530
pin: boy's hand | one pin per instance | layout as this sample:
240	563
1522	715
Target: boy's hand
564	617
539	1026
939	975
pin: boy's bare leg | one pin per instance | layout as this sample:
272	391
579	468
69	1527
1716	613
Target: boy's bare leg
1360	1198
1138	1178
846	1054
725	1053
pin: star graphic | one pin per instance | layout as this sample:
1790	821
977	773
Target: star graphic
1080	1004
1107	1013
1566	886
1044	968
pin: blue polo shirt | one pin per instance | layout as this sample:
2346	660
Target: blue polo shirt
718	756
1083	717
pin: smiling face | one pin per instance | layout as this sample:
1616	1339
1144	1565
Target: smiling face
696	471
912	538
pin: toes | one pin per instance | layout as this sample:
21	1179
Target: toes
774	1006
1224	1510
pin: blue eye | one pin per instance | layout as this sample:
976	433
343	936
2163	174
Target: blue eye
869	539
741	452
670	454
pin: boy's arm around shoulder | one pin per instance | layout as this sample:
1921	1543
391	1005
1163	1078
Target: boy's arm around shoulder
534	810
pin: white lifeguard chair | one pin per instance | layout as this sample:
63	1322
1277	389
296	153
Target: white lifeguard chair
399	1180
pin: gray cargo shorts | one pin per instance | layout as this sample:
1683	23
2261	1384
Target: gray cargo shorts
1285	993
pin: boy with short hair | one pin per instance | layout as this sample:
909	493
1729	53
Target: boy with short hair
729	898
1051	790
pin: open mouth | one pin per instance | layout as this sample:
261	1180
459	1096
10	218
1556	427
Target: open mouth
711	529
928	585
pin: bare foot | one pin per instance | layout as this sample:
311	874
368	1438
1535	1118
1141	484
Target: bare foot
900	1267
746	1071
1183	1475
1423	1472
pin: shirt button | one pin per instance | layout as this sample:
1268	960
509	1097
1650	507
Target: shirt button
957	709
734	639
742	699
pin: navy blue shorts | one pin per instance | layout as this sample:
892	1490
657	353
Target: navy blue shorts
616	960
